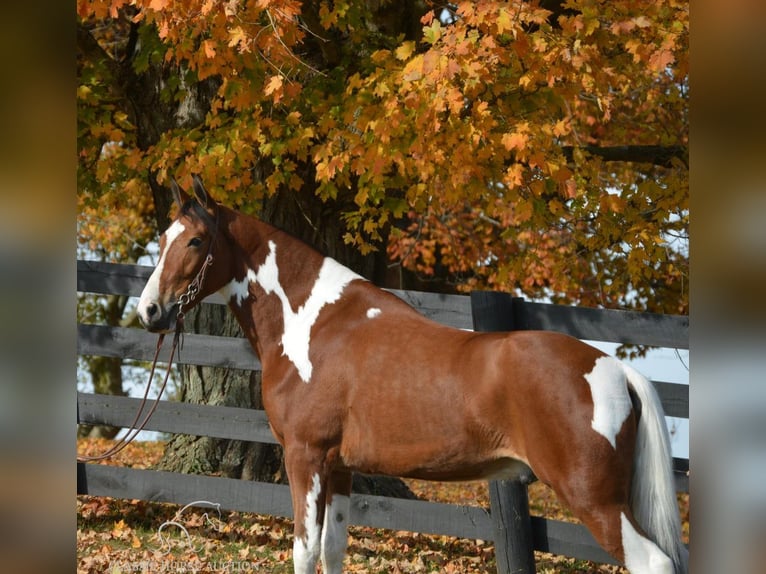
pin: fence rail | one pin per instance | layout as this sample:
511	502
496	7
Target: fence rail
252	425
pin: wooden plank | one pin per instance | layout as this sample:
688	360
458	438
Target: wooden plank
118	279
610	325
263	498
111	278
203	350
420	516
675	398
161	486
452	310
567	539
232	423
593	324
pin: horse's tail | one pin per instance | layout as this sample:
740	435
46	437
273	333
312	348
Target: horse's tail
653	494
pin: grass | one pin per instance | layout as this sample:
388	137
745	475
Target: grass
121	536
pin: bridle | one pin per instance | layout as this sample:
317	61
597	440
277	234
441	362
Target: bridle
183	301
193	289
195	286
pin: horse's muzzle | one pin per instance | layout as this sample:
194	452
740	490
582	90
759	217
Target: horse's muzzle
155	319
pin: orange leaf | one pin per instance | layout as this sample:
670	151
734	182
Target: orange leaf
515	140
209	47
661	59
274	86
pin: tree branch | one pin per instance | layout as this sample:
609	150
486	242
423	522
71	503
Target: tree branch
654	154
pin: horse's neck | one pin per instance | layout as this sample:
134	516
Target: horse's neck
273	273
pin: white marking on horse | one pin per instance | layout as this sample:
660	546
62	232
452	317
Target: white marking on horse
642	556
296	339
611	401
238	290
151	292
306	551
334	533
373	312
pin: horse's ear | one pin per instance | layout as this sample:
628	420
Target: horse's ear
179	195
203	197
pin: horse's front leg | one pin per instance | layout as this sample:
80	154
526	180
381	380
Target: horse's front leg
308	490
335	530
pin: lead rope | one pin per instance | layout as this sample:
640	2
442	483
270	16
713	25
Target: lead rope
133	429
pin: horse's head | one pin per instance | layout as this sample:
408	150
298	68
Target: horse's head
186	272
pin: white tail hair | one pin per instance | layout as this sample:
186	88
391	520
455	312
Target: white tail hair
653	494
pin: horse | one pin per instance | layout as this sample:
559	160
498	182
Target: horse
356	380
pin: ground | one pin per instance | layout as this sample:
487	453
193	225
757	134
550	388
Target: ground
122	536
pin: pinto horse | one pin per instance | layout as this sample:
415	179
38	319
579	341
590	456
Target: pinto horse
355	380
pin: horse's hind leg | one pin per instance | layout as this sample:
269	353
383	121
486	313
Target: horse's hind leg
613	526
334	531
642	556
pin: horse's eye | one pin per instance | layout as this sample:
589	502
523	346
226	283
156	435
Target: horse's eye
195	242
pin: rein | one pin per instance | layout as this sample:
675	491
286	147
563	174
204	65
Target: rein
133	429
183	301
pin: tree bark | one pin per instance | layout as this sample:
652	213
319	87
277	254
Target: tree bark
221	387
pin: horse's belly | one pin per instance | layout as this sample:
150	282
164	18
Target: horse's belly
447	459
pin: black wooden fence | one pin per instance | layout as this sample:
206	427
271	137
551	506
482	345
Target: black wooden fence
508	523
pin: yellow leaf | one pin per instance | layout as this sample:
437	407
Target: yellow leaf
433	32
136	543
413	71
525	80
404	51
561	128
237	36
504	21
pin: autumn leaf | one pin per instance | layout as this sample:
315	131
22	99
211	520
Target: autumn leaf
515	140
661	59
413	71
273	88
504	21
237	37
405	50
432	33
209	48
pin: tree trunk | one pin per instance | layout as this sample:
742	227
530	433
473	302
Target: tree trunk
222	387
106	372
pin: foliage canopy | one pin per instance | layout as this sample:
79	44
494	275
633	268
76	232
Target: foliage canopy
536	146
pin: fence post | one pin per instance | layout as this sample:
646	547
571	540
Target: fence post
509	500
